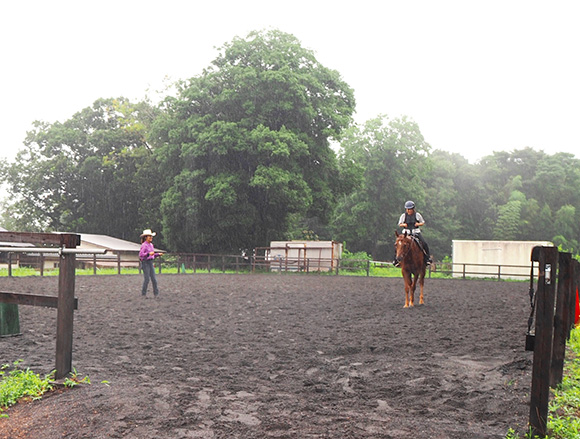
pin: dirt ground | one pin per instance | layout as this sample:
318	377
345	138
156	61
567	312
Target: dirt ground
278	356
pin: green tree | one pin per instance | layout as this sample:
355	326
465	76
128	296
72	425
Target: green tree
509	221
556	181
547	185
441	210
536	222
390	155
88	174
502	172
246	144
566	222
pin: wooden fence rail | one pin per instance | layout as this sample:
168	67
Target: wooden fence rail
65	246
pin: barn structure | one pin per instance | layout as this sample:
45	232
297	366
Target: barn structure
303	255
507	259
118	251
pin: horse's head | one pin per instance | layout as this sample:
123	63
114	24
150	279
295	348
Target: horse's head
402	245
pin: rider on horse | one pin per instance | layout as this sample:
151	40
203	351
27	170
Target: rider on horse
411	220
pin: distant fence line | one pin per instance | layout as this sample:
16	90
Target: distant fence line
194	262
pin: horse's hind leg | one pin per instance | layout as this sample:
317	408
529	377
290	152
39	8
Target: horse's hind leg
421	282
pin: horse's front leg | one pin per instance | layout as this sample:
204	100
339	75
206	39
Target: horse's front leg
407	280
412	286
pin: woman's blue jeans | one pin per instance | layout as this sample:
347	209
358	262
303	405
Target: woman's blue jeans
149	274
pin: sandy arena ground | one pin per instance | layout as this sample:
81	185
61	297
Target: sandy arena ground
278	356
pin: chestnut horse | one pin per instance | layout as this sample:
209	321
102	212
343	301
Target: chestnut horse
411	259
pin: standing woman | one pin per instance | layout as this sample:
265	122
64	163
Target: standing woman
146	255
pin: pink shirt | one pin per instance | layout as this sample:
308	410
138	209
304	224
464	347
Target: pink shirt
146	248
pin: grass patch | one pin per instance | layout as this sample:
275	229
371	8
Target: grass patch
564	408
374	271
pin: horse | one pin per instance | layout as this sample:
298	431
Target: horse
409	255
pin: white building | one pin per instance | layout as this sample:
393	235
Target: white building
506	259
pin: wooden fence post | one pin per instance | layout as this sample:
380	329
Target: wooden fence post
548	259
563	293
66	306
575	274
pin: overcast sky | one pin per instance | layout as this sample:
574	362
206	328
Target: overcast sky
477	76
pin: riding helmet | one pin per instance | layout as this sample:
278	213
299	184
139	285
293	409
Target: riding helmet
409	205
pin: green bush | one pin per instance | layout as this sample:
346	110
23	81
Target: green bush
354	260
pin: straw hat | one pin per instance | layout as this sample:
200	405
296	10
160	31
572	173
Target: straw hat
148	232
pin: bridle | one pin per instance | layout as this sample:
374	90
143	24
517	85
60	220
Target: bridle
400	258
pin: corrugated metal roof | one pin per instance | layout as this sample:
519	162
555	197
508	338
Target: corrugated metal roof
14	244
89	240
108	242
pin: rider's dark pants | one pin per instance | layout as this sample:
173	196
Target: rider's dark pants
424	243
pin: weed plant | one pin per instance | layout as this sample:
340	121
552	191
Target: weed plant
17	383
21	384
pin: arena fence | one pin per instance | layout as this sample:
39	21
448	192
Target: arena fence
257	263
553	306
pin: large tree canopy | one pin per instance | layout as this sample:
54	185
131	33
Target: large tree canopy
87	174
241	155
247	145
